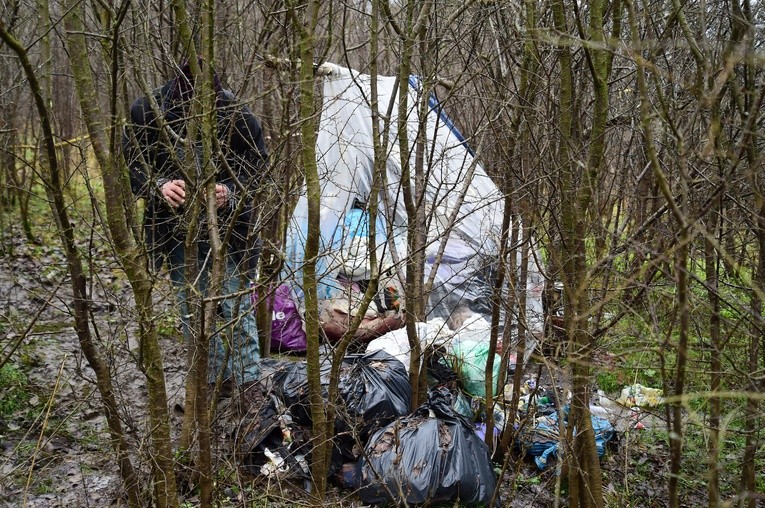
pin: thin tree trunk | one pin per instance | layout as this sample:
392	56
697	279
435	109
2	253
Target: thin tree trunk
414	294
749	473
711	268
528	86
218	253
74	264
194	362
133	261
676	434
756	350
584	475
715	366
304	20
565	127
583	467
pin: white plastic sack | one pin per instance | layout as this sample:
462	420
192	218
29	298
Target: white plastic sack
456	186
396	343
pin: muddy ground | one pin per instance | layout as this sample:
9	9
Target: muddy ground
54	450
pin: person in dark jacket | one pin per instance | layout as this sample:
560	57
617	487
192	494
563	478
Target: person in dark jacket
166	170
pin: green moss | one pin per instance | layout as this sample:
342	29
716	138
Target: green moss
14	393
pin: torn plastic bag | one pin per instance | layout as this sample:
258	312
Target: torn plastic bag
432	455
271	444
541	440
374	388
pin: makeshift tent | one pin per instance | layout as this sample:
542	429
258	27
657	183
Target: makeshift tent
457	187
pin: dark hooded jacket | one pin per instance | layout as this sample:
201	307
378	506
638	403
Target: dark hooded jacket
149	150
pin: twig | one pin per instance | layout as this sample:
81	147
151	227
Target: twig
42	430
27	331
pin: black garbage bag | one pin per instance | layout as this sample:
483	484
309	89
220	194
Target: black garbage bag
271	444
290	384
374	387
431	455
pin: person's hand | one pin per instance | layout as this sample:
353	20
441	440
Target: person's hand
221	195
174	192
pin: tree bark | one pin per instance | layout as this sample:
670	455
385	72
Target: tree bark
304	19
711	268
132	258
414	296
74	264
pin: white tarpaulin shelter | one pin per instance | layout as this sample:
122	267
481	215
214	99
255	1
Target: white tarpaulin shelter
457	185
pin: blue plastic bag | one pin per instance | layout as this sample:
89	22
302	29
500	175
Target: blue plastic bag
541	440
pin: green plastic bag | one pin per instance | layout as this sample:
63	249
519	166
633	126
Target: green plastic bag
470	358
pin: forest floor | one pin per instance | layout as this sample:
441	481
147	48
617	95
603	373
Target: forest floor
54	448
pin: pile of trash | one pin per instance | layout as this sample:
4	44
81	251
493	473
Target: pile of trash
388	454
374	389
381	450
542	437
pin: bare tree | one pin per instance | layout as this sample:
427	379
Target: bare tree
74	262
624	136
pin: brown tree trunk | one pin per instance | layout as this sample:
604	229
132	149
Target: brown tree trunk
132	259
74	265
675	425
756	349
304	19
414	296
565	180
749	473
711	267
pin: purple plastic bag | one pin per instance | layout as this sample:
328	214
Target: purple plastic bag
287	332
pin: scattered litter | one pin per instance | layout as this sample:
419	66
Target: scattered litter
271	444
499	412
638	395
539	402
480	431
275	440
275	464
542	438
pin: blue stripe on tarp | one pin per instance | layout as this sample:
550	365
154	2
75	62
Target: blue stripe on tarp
434	105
